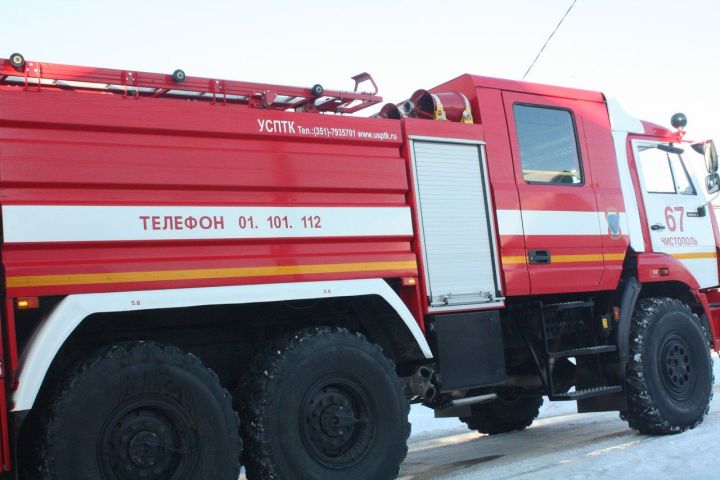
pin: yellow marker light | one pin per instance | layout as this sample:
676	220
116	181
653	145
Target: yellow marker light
25	303
408	281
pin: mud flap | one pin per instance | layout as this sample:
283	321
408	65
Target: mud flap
469	349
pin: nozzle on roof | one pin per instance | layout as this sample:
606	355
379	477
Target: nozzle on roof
391	111
453	106
407	107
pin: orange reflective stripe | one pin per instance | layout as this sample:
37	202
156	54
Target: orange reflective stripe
240	272
589	257
692	255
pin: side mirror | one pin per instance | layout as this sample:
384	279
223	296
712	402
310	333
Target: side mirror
707	149
712	181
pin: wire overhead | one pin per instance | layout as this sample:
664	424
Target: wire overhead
548	39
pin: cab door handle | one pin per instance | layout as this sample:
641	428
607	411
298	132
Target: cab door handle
657	226
539	256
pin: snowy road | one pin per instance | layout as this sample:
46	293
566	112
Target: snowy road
561	444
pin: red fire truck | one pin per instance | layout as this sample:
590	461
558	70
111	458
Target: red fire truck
200	273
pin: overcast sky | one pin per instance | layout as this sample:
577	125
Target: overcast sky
655	56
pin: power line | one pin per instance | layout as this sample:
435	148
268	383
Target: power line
548	39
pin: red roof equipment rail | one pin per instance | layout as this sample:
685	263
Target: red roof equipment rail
17	71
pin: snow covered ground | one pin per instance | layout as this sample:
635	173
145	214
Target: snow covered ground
561	444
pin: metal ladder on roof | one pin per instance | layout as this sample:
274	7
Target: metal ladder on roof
32	75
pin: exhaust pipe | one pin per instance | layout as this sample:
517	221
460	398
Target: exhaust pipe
419	384
463	402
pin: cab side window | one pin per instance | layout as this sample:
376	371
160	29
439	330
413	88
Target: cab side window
548	145
683	185
664	172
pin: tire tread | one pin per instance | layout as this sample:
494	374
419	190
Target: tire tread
643	414
49	425
485	420
255	394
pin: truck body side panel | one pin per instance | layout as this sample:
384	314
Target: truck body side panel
74	150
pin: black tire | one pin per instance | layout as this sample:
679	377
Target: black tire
669	372
139	410
17	61
507	413
323	404
178	76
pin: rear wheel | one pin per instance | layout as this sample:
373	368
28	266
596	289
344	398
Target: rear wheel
139	410
323	403
669	375
510	411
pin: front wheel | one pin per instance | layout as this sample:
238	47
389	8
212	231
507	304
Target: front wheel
323	404
669	374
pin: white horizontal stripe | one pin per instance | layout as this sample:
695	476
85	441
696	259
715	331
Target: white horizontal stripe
537	222
555	222
509	222
70	223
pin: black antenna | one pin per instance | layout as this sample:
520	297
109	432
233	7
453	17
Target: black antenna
548	40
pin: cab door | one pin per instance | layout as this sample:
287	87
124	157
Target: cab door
677	213
559	215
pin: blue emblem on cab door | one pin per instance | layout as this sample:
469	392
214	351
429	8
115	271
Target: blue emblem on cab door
613	221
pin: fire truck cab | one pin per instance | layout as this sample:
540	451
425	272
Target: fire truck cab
200	274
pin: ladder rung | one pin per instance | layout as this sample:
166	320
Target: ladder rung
583	351
588	393
554	307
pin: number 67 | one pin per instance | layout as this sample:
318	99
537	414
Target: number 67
670	218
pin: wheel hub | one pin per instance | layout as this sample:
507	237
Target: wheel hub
676	367
143	449
337	422
149	440
337	419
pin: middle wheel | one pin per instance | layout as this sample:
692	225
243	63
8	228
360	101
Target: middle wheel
510	411
323	403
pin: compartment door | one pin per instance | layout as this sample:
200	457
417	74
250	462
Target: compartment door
455	224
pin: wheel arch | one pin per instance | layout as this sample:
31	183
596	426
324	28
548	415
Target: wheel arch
399	337
632	291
